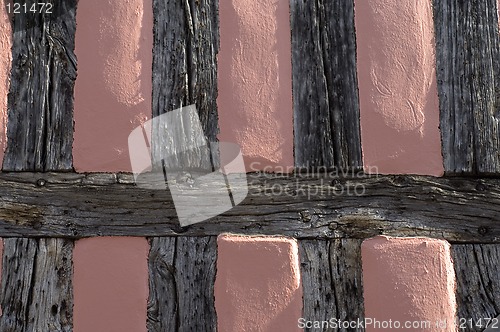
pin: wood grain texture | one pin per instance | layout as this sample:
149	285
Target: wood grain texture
477	269
40	101
314	206
331	280
186	42
182	270
182	277
325	86
36	285
37	290
468	72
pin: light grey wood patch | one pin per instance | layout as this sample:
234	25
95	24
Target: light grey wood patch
468	73
36	285
40	101
477	269
331	281
325	86
182	277
457	209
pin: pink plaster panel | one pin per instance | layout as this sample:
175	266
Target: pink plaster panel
397	87
254	81
110	284
5	65
113	87
409	280
258	287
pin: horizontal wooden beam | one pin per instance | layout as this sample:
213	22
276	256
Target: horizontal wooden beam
460	210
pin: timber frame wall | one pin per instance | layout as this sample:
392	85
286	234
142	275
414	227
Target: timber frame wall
45	206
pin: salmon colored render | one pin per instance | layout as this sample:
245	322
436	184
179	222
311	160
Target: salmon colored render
5	64
255	81
113	88
110	284
399	108
409	281
257	288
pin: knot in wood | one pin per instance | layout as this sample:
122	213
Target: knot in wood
482	230
305	216
481	186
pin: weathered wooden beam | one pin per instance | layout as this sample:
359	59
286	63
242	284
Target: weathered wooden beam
182	269
325	86
40	101
185	46
37	273
468	72
182	277
332	281
477	269
36	285
301	206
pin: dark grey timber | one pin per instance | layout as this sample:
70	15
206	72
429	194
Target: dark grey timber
332	281
37	273
325	85
40	101
182	278
37	292
468	73
182	269
477	269
315	207
186	42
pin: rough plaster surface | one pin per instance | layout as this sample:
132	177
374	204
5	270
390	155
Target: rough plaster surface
397	87
5	65
255	81
409	279
110	284
113	88
257	287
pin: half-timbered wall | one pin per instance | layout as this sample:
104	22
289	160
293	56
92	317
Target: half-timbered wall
369	130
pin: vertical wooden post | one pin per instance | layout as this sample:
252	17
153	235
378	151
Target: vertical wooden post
332	281
468	72
182	269
36	287
325	85
477	269
40	102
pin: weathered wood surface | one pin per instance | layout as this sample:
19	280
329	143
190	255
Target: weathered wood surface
40	101
186	42
325	86
468	72
182	269
79	205
182	277
36	285
37	273
332	280
477	269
